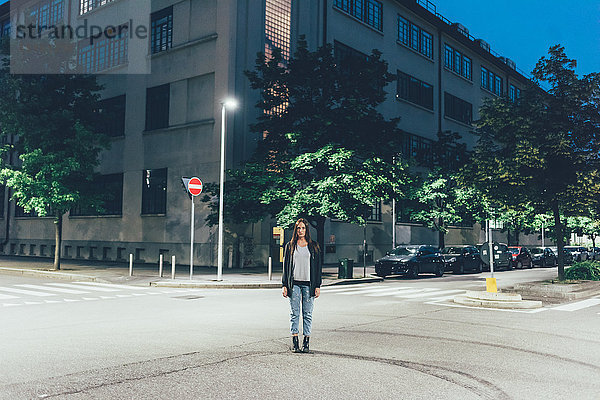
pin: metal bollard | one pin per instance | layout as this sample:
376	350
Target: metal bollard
172	267
160	265
270	269
130	264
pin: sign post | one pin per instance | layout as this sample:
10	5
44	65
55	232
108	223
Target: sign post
194	187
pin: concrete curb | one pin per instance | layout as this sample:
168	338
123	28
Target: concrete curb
50	274
496	300
217	285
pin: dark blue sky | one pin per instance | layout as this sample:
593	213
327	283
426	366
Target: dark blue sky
524	30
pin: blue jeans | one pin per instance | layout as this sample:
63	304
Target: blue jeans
301	294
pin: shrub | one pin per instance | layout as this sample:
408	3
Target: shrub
585	270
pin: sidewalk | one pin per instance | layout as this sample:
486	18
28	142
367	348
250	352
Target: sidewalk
147	274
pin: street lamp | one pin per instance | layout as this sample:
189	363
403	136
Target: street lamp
231	104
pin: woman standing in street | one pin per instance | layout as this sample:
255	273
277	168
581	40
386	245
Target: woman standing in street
301	281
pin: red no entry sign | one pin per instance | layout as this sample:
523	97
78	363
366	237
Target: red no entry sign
195	186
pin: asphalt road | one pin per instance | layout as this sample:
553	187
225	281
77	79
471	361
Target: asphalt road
396	339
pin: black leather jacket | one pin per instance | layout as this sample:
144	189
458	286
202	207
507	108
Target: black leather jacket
287	278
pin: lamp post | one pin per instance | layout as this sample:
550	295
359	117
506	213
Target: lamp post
231	104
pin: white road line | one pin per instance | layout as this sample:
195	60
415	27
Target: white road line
375	290
52	289
7	296
537	310
71	300
33	302
342	289
423	292
52	301
11	305
92	288
124	295
400	292
413	296
138	294
27	292
90	298
578	306
121	287
446	297
107	297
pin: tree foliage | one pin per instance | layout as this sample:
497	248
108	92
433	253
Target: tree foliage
51	121
544	148
326	150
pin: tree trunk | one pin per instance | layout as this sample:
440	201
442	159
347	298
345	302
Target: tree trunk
559	241
321	235
516	237
508	237
57	240
441	239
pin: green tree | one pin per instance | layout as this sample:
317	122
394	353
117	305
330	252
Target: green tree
51	122
543	149
326	150
440	197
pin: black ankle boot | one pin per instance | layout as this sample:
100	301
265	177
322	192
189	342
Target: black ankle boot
295	344
305	348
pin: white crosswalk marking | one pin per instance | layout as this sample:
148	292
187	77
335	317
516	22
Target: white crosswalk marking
426	294
7	296
27	292
112	286
399	292
330	289
52	289
92	288
374	290
578	305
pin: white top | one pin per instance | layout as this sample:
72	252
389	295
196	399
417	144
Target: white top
302	263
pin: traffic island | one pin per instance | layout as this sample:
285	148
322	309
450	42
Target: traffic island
496	300
555	291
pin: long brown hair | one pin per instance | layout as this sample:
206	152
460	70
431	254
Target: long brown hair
312	245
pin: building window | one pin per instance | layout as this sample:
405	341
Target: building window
368	11
154	191
45	14
455	61
345	55
514	93
414	90
491	81
104	53
5	28
457	109
417	148
112	116
405	209
161	24
157	107
278	22
375	212
112	197
414	37
86	6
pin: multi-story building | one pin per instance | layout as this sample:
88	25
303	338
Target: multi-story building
167	88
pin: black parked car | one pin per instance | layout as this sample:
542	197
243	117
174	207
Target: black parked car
521	257
543	257
459	259
411	261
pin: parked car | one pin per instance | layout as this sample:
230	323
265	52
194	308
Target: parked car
594	253
459	259
544	257
411	261
521	257
502	257
578	253
568	257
